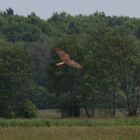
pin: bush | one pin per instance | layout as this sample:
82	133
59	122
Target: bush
28	110
7	112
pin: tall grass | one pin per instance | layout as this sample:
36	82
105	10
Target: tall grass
70	122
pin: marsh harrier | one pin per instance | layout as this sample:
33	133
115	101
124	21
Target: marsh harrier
65	58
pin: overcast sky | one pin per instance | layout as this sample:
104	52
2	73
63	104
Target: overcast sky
45	8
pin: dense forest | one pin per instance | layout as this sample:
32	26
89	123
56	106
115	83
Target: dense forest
108	48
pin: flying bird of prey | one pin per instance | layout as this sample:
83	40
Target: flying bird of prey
65	58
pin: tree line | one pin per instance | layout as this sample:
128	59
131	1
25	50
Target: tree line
108	48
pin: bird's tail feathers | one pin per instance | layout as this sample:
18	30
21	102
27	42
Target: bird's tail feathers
60	63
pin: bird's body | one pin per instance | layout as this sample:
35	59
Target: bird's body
65	58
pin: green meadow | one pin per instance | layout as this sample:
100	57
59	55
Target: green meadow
70	129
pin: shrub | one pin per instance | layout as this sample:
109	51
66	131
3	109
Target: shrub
28	110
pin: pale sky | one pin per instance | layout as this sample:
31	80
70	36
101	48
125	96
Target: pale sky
45	8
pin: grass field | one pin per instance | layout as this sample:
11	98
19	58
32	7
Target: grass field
70	133
73	122
56	128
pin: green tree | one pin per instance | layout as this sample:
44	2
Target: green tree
127	66
62	80
15	74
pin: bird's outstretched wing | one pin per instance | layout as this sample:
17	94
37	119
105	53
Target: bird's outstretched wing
65	58
74	64
63	55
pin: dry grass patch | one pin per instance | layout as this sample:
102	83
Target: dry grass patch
70	133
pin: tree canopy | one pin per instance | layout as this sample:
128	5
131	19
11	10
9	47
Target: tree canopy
108	48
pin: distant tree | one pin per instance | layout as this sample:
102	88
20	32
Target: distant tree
39	55
15	79
9	12
63	79
125	59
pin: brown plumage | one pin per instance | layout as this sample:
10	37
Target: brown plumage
65	58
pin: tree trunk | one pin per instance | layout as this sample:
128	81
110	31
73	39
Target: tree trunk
86	106
114	104
71	105
87	112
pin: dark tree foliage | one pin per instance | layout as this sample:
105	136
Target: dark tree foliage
108	48
15	78
9	12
